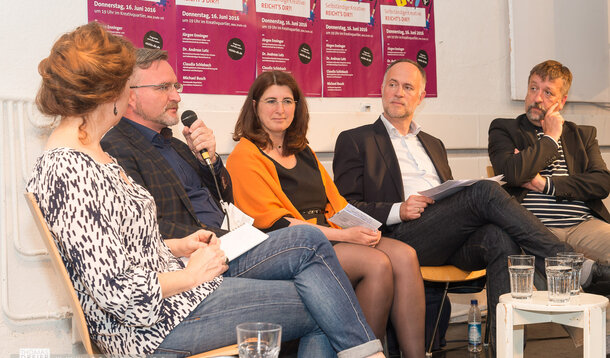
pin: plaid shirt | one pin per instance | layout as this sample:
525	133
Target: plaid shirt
144	164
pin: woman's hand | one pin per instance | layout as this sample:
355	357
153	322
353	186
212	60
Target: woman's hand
206	262
360	235
187	245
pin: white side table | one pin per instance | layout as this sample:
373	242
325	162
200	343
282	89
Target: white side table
586	311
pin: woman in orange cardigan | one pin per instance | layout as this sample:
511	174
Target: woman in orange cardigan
278	180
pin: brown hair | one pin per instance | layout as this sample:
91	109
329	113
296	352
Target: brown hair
146	56
550	70
249	126
86	68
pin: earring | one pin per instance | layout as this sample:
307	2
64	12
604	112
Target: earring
115	110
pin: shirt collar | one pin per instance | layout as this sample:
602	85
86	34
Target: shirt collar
149	134
414	128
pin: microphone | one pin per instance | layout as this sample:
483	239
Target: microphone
188	118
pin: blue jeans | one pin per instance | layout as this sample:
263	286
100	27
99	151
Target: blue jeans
293	278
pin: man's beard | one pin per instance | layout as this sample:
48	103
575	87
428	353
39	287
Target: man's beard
163	118
530	115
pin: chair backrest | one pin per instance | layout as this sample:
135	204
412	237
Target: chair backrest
79	324
490	171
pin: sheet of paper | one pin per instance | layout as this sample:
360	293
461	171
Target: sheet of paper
453	186
236	217
240	240
351	216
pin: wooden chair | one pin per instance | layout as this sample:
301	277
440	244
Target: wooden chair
453	278
490	171
79	324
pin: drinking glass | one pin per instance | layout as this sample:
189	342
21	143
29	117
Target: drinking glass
577	261
558	278
521	269
259	339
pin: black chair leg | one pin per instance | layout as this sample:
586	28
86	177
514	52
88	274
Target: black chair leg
438	318
487	328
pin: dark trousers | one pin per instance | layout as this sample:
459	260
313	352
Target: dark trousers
477	228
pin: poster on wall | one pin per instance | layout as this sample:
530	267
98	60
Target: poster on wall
216	42
148	24
289	40
408	32
352	63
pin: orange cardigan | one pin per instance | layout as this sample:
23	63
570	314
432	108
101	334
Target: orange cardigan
257	190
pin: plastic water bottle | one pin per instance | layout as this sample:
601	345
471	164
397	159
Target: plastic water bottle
474	327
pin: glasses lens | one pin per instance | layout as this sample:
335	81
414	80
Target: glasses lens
178	87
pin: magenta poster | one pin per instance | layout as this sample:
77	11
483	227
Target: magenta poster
149	24
289	40
216	42
408	32
352	63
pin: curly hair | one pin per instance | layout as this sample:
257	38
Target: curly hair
86	68
249	125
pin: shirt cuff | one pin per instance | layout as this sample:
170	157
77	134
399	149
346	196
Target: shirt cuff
394	215
553	139
218	164
549	187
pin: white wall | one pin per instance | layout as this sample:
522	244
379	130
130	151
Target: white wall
473	88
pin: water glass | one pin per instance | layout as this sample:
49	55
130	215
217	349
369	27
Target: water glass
521	269
577	260
259	339
558	278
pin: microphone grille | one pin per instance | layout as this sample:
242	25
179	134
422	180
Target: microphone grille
188	117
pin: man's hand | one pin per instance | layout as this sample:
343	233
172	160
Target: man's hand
412	208
198	137
536	184
552	123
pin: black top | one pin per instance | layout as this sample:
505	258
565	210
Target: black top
304	187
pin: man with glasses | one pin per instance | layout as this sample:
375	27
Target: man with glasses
174	173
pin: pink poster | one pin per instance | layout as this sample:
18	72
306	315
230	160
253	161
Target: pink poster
149	24
289	40
216	41
408	32
352	62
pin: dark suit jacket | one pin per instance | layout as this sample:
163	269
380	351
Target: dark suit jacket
589	178
367	172
144	164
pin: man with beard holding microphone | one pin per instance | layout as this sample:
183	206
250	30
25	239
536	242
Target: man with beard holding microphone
175	173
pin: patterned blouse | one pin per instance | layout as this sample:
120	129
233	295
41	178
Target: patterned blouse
108	237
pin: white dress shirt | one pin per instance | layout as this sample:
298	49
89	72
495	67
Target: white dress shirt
416	168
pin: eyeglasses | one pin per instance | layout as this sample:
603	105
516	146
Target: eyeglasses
165	87
286	102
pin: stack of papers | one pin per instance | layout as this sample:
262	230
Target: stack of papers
453	186
351	216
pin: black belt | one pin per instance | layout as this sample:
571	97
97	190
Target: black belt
311	211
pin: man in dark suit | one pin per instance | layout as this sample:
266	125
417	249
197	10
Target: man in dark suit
554	167
173	172
381	167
